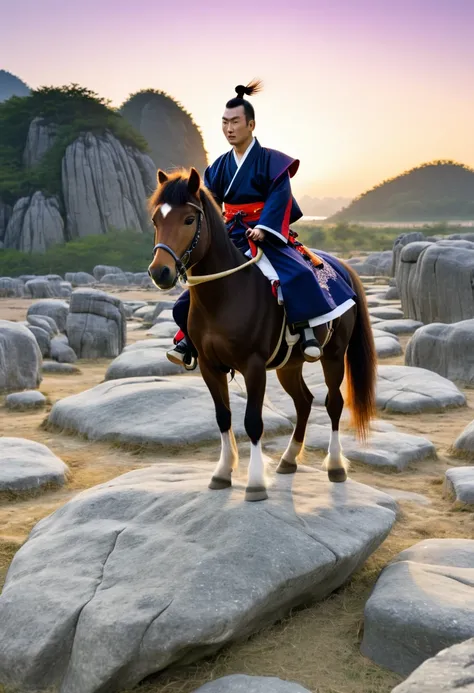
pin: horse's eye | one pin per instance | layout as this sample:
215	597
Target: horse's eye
189	220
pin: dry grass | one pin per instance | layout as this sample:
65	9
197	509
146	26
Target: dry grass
317	646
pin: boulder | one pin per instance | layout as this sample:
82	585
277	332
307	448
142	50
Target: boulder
421	603
399	326
22	401
459	483
20	358
163	330
138	362
393	449
445	349
45	322
11	288
406	274
115	279
42	288
149	344
96	324
376	264
240	683
465	442
100	271
387	346
400	242
152	411
153	569
35	224
59	368
57	310
62	352
386	313
79	278
43	339
407	390
103	187
450	671
26	466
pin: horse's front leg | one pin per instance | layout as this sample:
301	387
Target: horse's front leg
216	381
255	380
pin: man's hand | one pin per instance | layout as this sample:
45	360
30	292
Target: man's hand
255	234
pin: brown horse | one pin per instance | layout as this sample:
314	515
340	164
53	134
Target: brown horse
235	323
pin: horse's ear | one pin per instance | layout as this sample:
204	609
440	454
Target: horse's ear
194	182
161	176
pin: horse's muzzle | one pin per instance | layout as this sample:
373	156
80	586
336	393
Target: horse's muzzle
163	277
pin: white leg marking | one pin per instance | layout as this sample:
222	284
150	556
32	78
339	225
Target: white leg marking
229	458
256	473
335	459
292	451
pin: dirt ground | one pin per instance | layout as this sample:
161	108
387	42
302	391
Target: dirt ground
318	646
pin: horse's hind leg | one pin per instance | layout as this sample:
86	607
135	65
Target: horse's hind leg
291	379
255	381
333	367
216	381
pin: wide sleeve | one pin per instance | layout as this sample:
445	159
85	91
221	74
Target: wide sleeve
209	178
275	217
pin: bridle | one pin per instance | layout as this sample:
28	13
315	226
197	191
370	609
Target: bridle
181	262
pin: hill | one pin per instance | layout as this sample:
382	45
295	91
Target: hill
173	137
435	191
10	85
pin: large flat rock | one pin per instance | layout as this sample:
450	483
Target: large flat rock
152	568
450	671
401	326
26	465
384	448
407	390
138	362
459	483
422	602
152	411
464	443
240	683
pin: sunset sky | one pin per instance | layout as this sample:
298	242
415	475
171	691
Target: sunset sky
359	90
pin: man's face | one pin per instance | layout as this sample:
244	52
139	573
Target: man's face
235	126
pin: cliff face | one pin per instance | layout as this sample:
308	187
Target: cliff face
173	137
35	224
41	137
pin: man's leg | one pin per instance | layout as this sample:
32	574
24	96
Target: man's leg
184	353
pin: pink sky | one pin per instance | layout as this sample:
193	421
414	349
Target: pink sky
359	90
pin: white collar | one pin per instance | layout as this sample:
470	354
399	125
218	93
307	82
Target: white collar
246	153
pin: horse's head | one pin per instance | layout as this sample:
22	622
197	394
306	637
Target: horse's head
178	217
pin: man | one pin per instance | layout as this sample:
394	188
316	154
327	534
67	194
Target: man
252	184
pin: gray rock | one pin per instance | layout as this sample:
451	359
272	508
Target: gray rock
115	279
149	344
445	349
138	362
65	290
57	310
20	358
376	264
11	288
139	277
392	294
400	242
62	352
40	139
399	326
163	316
42	288
100	271
240	683
35	224
147	283
152	411
79	278
387	346
465	442
212	569
26	465
96	324
59	368
29	399
459	482
43	339
163	330
103	187
5	214
384	449
45	322
400	495
386	313
450	671
421	603
407	390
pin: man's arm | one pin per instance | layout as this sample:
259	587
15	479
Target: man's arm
275	218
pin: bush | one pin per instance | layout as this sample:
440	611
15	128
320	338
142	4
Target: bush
126	249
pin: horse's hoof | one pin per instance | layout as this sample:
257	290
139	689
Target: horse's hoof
337	475
286	467
256	493
218	483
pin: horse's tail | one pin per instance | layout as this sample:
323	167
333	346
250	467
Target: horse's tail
361	364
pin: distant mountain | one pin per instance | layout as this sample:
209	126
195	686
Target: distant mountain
11	86
435	191
322	206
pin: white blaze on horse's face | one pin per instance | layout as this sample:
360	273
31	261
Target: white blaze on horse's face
165	209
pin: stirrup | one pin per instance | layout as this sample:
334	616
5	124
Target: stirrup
182	357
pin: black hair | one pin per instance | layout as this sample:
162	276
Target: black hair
253	88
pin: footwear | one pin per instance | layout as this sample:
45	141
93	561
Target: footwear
310	346
182	355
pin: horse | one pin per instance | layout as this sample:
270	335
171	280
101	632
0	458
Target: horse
235	323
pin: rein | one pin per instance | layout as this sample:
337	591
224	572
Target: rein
181	262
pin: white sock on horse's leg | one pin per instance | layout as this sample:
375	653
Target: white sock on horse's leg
256	473
229	458
335	459
292	451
